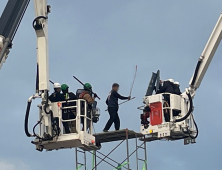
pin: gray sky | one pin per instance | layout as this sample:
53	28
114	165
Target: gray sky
101	42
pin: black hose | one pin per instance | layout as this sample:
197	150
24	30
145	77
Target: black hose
55	128
47	104
37	26
196	72
35	127
27	119
190	109
194	137
37	80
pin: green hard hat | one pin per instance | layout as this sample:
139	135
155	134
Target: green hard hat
87	86
64	86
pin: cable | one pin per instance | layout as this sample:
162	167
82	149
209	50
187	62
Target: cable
27	119
55	129
194	137
35	127
38	26
47	104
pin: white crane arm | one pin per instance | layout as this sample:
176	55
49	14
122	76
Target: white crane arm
40	25
206	57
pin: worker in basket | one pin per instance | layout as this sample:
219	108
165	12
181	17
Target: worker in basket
56	96
176	86
167	87
145	116
87	96
71	112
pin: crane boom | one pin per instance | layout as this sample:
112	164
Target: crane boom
9	23
40	24
206	57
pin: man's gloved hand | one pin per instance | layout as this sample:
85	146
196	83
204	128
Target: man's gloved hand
129	97
95	95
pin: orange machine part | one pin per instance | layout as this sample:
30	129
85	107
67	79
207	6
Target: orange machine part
156	117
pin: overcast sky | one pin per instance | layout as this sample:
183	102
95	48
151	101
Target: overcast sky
101	42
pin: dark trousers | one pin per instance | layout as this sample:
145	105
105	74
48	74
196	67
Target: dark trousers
66	115
114	118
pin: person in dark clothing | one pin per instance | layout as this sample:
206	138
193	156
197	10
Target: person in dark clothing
167	87
176	86
68	113
68	95
56	96
112	102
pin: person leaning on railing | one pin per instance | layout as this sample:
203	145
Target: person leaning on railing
86	95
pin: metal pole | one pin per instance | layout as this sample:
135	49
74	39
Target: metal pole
137	166
104	160
145	153
84	85
109	153
95	161
111	159
127	149
76	159
131	154
85	159
131	89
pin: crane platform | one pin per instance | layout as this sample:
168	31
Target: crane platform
117	135
73	140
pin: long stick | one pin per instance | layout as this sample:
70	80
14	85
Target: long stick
83	85
124	102
133	81
78	80
51	81
127	100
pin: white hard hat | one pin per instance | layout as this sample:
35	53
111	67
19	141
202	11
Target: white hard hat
177	83
170	80
56	85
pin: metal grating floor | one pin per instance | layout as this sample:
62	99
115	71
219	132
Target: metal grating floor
117	135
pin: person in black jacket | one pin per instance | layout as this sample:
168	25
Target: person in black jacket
176	86
167	87
68	113
56	96
113	106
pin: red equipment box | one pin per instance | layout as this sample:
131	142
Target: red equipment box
156	117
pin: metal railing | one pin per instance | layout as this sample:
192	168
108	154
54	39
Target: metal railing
81	120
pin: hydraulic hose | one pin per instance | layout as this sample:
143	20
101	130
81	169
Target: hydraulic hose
35	127
189	111
55	128
37	80
37	26
46	104
194	137
196	71
27	117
